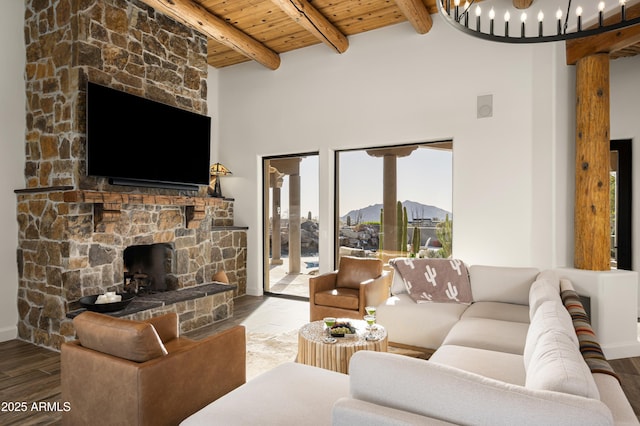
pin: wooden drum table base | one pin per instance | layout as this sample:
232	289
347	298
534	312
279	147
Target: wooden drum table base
312	349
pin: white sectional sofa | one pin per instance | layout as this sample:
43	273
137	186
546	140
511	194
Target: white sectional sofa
510	357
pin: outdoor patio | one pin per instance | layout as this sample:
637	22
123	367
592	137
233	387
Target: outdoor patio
282	282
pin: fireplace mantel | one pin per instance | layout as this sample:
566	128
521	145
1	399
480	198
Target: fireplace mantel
107	205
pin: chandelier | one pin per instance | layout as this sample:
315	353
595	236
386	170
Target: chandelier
480	19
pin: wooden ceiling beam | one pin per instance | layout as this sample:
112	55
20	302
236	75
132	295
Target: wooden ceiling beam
309	18
609	42
197	17
522	4
417	14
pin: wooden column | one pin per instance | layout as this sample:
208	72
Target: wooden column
592	229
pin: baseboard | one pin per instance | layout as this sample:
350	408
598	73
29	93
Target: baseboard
630	350
8	333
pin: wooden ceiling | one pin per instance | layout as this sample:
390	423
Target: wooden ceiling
260	30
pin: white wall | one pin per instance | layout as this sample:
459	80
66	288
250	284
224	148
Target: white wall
395	86
12	128
625	110
214	110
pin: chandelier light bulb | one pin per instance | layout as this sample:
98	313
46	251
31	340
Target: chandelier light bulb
507	16
622	2
579	11
466	5
540	16
492	13
601	6
523	17
478	11
559	14
456	3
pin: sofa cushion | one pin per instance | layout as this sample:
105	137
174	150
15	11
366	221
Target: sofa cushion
501	284
345	298
556	365
434	280
285	395
551	315
490	334
354	270
460	397
498	311
132	340
414	324
542	290
501	366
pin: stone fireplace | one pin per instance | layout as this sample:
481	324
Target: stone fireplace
74	230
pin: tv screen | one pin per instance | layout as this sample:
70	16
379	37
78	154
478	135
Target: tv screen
135	141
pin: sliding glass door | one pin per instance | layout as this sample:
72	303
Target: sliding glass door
290	223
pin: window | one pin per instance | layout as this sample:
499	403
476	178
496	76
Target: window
394	201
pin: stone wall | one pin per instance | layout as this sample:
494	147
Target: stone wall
122	44
65	250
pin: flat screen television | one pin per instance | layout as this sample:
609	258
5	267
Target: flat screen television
135	141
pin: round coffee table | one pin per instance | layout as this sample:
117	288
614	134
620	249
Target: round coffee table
314	350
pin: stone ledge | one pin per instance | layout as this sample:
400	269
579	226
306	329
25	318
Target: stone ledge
166	298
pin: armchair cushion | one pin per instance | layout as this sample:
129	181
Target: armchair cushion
355	270
132	340
345	298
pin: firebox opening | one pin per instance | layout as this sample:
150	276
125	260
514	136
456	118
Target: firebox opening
147	267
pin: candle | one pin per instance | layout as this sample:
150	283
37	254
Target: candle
523	18
457	8
478	13
579	15
540	19
559	18
600	11
466	13
622	11
492	15
507	16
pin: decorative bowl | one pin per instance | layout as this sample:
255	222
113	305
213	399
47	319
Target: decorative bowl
341	329
89	302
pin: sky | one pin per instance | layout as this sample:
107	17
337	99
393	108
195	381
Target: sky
425	177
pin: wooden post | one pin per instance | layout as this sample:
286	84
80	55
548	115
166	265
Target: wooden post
592	248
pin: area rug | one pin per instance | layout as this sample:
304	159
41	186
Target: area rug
266	351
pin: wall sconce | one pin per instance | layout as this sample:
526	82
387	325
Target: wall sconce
216	171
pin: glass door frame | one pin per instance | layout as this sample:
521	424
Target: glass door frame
266	223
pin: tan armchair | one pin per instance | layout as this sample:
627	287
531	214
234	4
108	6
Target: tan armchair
344	293
122	372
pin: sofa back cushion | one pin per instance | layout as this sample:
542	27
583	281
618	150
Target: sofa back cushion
550	316
501	284
460	397
132	340
354	270
545	288
557	365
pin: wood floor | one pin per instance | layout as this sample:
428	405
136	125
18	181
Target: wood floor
30	374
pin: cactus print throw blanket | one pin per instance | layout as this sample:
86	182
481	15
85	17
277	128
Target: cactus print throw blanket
434	280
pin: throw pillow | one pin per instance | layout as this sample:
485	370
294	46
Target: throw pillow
435	280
